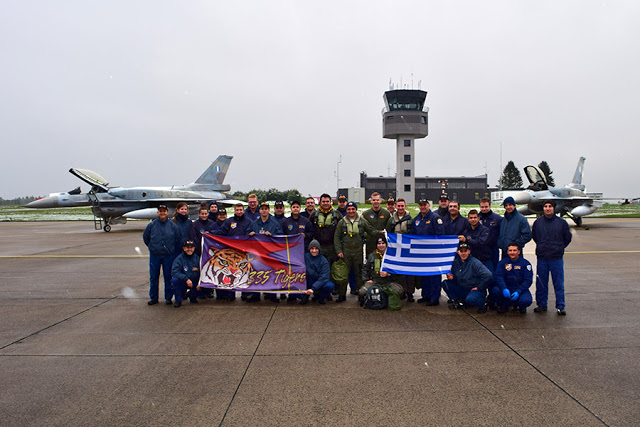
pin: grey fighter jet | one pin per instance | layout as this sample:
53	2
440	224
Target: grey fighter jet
114	205
571	200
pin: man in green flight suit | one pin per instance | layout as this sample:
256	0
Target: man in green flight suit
348	241
378	218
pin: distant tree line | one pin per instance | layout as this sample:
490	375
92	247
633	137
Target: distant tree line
272	194
18	200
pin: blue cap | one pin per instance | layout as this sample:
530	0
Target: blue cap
509	201
352	204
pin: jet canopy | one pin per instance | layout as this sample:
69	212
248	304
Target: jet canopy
92	178
536	179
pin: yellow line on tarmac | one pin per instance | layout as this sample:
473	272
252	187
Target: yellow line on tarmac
73	256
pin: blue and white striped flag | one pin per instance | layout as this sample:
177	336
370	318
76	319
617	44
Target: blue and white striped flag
419	255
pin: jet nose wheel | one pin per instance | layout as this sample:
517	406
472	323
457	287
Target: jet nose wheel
107	228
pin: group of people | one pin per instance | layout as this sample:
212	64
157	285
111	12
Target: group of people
488	271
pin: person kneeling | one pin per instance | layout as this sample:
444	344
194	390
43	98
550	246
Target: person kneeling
372	274
466	285
513	278
318	273
185	273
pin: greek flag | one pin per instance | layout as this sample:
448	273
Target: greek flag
419	255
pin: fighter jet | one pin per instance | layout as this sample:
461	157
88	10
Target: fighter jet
114	205
571	200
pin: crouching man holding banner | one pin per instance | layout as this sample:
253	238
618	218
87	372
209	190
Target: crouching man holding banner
466	285
318	273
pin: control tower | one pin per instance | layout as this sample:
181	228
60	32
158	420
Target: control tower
405	119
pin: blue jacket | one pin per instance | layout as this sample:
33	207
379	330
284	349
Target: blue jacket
427	225
514	275
300	225
198	228
471	273
186	267
492	221
478	242
184	225
551	235
318	271
234	226
455	227
260	227
514	228
161	237
252	215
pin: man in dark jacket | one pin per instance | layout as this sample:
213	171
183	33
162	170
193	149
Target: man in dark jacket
185	274
477	237
252	212
318	275
512	281
551	234
454	223
269	226
491	220
468	280
296	223
428	223
161	237
400	223
514	227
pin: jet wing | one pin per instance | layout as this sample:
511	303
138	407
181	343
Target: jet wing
91	178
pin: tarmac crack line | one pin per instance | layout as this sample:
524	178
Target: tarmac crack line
59	322
558	386
264	332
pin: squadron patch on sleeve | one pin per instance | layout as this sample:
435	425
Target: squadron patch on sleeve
440	221
529	267
508	267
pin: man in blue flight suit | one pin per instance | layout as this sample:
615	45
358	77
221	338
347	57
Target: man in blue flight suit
491	220
265	224
514	227
466	285
161	237
278	211
296	223
428	223
185	274
512	281
552	235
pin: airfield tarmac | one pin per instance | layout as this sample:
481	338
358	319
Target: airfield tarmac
80	346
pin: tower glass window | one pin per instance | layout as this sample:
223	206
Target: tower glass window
407	172
407	157
407	187
407	143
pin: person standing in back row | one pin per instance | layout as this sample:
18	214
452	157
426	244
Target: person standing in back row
552	235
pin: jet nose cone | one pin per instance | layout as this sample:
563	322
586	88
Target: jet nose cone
522	197
45	202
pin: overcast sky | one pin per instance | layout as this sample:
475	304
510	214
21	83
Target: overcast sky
151	92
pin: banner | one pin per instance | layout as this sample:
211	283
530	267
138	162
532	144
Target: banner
419	255
253	264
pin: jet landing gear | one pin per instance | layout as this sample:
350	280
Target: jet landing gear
107	228
576	219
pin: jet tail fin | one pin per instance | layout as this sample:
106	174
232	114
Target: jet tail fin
216	172
576	182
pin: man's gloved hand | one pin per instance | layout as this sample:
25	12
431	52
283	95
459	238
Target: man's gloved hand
514	296
506	293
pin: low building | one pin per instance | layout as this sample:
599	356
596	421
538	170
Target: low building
467	190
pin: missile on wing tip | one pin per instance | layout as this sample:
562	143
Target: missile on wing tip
522	197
